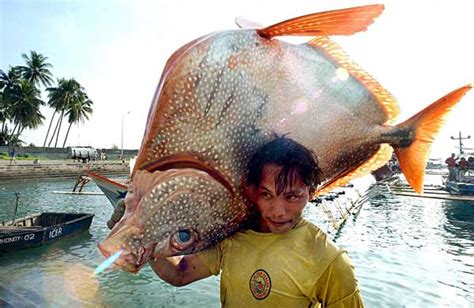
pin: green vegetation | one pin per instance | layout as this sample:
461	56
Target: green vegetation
26	156
20	101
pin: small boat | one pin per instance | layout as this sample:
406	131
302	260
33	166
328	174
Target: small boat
463	186
113	190
39	229
461	182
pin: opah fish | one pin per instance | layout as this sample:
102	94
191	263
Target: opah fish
224	95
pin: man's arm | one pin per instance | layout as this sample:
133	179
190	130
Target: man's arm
180	271
338	287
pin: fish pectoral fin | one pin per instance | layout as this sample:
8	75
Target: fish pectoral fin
336	22
244	23
381	156
425	125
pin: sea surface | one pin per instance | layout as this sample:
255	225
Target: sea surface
407	252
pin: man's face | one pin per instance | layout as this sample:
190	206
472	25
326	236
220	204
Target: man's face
278	213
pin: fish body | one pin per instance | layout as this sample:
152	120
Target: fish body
233	90
226	94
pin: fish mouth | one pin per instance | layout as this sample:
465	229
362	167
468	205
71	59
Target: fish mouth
188	161
126	239
129	261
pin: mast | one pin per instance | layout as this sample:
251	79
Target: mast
460	138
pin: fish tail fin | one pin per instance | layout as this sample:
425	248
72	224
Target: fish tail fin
424	125
335	22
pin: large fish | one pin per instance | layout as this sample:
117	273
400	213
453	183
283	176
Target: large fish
224	95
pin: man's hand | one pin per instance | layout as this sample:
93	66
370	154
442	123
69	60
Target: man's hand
181	270
117	214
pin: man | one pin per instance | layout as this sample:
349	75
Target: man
13	156
451	162
463	164
282	259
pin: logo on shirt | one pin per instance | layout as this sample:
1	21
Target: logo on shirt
260	284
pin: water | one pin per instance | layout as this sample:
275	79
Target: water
407	252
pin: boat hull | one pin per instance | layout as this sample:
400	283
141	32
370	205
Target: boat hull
39	229
114	191
460	188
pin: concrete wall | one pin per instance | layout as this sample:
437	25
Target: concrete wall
43	169
64	153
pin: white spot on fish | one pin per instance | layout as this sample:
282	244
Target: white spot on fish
342	73
300	106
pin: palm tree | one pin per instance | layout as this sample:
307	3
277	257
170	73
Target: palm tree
25	107
10	80
78	111
3	111
56	101
3	120
36	69
59	99
63	98
9	85
20	97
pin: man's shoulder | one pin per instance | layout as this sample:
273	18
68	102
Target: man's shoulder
312	230
322	246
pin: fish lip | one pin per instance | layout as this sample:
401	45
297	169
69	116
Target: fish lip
183	161
103	251
128	261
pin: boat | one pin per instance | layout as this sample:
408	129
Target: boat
462	181
114	191
463	184
40	229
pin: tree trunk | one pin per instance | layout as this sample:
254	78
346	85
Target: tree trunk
49	127
20	130
14	128
59	129
55	129
67	134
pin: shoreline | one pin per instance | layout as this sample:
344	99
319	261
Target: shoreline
44	169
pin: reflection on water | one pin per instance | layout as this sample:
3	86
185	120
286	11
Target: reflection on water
411	252
406	251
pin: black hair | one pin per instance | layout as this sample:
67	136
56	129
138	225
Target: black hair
295	158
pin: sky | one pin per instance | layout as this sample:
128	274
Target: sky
418	50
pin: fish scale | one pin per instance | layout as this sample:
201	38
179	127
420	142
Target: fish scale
224	95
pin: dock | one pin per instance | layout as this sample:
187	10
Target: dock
430	192
58	169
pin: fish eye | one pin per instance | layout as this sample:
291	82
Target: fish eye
183	239
184	235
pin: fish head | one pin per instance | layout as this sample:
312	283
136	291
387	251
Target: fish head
172	212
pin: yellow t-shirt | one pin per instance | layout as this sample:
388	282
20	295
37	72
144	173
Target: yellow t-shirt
300	268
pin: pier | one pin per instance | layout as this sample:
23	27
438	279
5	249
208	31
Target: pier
58	168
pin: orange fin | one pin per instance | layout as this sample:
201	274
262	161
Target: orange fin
425	125
383	97
376	161
336	22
